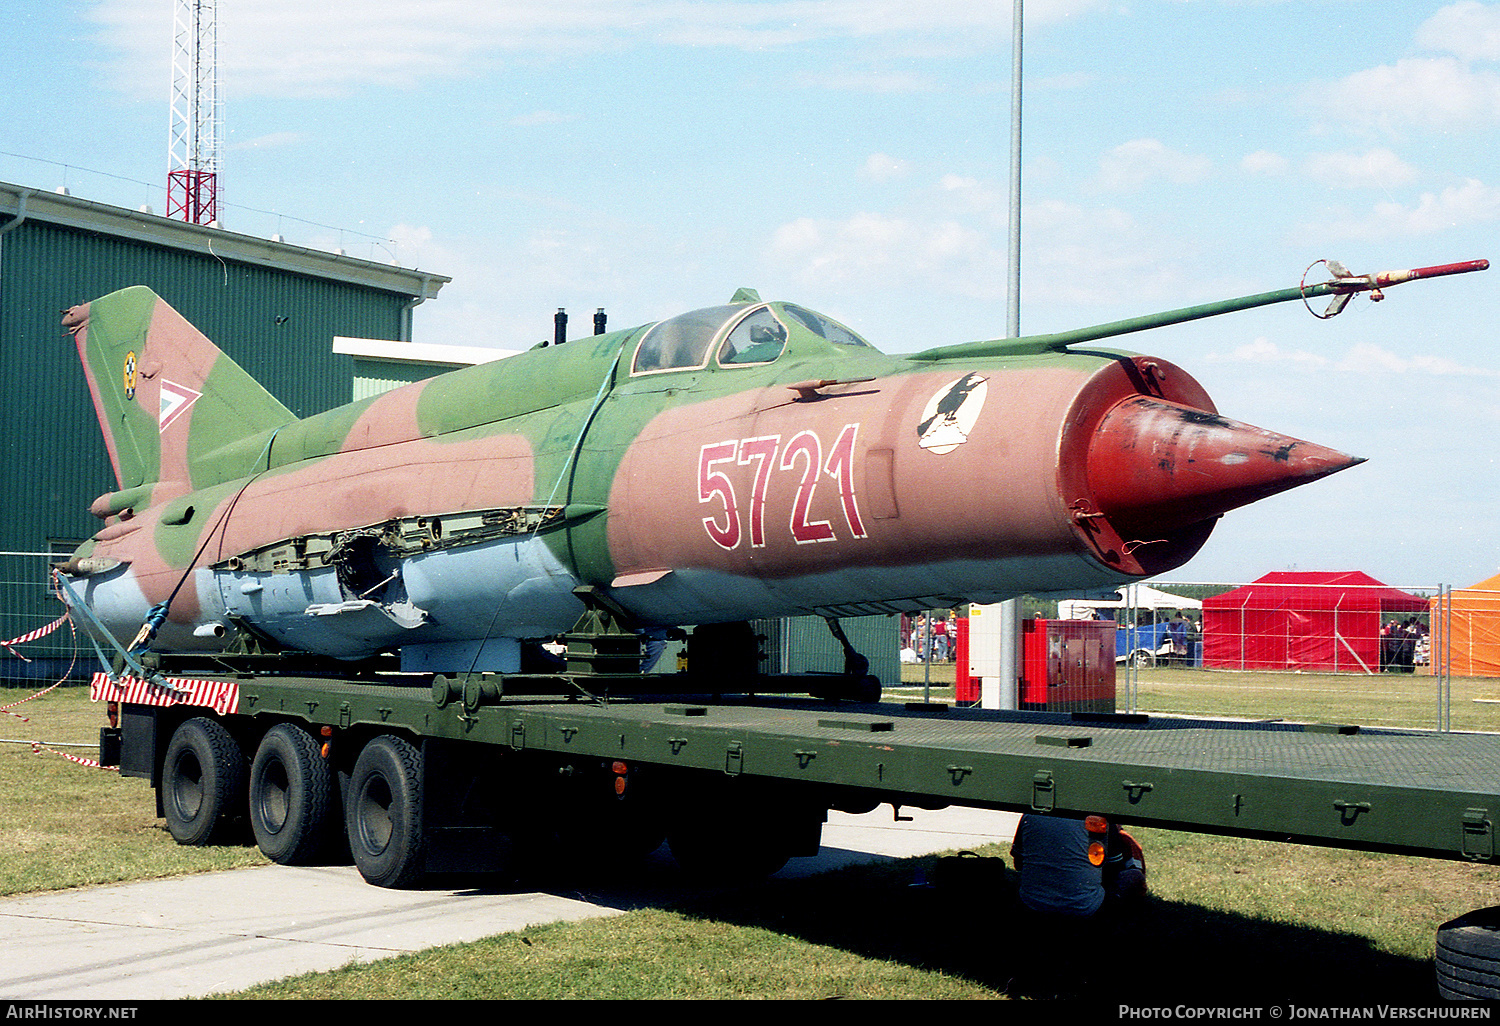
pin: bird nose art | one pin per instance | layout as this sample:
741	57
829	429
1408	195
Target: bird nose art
1156	466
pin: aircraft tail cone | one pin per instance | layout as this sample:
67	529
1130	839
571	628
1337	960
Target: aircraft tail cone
1155	467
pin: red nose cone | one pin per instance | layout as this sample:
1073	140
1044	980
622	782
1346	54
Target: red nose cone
1155	467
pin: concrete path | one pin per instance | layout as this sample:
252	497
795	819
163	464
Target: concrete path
198	935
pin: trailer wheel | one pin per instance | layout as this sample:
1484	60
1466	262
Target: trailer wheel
291	796
1142	657
202	782
1468	957
385	813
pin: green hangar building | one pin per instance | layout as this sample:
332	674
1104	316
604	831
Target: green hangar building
274	308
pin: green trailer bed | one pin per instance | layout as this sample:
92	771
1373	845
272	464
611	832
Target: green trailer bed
1410	791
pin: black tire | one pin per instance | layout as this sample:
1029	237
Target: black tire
384	815
202	783
1468	957
292	797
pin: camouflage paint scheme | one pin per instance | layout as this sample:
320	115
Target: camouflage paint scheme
786	467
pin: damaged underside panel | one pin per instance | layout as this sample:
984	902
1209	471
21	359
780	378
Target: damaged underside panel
396	539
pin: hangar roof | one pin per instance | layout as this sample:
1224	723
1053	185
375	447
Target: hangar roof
19	203
387	351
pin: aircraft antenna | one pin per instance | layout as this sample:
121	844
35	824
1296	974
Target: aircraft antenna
193	135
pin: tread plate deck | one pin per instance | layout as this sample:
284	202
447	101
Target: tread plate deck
1381	789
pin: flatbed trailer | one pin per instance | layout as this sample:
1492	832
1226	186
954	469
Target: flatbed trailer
413	775
1379	789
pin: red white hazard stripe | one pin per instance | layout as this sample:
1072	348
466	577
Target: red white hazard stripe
38	748
40	632
222	696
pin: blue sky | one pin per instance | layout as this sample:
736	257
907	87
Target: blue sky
651	156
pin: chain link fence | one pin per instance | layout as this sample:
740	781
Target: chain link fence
1325	648
29	606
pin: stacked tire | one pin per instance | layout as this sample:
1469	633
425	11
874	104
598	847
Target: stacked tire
1468	957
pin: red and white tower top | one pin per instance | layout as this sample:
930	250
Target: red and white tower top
193	137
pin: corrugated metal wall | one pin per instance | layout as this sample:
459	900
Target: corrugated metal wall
278	325
804	644
372	377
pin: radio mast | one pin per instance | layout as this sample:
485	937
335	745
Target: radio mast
196	114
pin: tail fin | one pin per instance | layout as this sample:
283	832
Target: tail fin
166	397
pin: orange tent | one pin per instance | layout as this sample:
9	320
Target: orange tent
1474	630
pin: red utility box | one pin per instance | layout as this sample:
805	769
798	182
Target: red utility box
1068	665
965	687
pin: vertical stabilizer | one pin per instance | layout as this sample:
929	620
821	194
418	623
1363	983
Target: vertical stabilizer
167	399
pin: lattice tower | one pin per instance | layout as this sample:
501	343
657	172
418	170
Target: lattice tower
193	137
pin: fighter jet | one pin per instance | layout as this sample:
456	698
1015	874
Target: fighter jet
746	460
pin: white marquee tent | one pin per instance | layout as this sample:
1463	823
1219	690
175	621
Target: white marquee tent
1128	596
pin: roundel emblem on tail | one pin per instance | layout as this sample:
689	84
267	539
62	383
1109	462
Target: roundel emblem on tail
130	375
951	413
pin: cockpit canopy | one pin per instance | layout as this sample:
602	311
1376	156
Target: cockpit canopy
740	335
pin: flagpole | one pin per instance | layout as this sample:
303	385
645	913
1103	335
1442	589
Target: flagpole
1010	610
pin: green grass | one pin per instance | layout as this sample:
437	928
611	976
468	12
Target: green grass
67	825
1397	700
647	954
1386	700
1228	920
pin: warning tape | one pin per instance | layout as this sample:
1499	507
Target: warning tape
222	696
38	748
40	632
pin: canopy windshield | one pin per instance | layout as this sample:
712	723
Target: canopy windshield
754	334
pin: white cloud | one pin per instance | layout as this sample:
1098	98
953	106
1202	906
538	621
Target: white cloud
1131	165
1366	358
952	240
1363	359
273	140
1378	168
1470	30
885	250
1264	162
1422	92
969	197
415	248
1098	256
294	48
881	167
1265	352
1471	203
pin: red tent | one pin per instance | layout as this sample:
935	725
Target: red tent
1323	622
